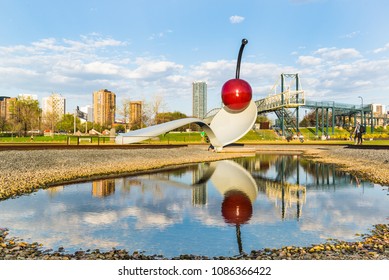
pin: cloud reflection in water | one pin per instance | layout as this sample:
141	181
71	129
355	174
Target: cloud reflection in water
273	201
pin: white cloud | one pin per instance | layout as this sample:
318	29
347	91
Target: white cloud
337	54
98	67
236	19
362	83
383	49
351	35
148	68
160	34
309	60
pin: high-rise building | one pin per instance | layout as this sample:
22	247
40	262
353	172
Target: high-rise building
104	105
199	99
53	106
89	111
6	104
378	109
136	113
3	106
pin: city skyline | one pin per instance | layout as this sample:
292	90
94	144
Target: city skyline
339	48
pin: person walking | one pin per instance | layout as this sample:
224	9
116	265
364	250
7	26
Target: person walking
357	133
362	130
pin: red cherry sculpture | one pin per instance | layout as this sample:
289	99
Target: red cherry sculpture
237	93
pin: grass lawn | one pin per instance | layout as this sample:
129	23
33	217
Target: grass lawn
265	136
37	139
56	139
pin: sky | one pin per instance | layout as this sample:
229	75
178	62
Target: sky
147	50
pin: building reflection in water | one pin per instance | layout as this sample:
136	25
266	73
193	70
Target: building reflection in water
199	193
103	188
53	191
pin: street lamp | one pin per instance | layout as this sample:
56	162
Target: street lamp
361	109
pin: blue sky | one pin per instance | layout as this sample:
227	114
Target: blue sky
142	50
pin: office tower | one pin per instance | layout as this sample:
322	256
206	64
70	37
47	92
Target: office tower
104	105
136	113
6	104
3	106
199	99
53	106
89	111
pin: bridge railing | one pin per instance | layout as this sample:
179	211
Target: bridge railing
210	114
336	105
288	99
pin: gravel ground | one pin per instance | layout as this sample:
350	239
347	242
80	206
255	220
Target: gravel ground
365	163
26	171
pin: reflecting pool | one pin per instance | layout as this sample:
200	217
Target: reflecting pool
210	209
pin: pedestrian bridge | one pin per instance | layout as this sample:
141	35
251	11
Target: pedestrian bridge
287	99
287	104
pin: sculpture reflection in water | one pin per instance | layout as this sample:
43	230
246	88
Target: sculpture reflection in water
239	190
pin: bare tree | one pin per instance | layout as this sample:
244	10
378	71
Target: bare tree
157	104
124	111
50	120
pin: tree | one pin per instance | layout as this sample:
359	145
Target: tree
171	116
262	118
168	116
3	124
124	111
50	120
25	115
157	104
310	118
67	123
151	109
120	128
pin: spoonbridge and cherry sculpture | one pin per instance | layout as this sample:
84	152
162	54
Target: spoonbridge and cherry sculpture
231	123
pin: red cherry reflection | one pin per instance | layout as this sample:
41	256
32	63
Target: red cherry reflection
236	94
236	207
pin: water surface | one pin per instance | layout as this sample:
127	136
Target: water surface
212	209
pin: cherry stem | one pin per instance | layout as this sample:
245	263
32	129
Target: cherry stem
244	43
